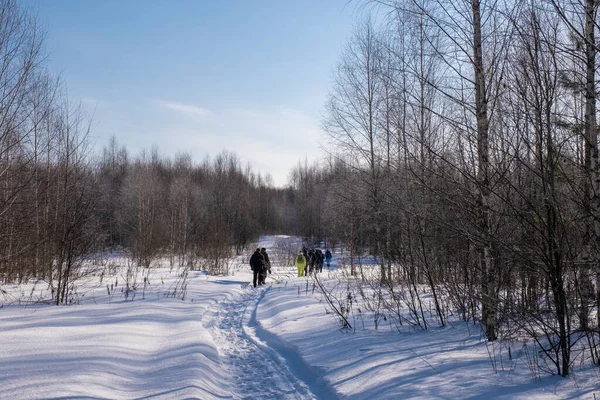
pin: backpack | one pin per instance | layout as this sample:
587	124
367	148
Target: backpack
299	258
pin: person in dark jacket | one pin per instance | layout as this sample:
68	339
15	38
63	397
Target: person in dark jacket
319	261
257	263
267	269
312	258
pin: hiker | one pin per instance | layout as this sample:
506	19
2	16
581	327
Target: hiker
305	254
319	261
267	269
328	257
300	263
312	258
257	264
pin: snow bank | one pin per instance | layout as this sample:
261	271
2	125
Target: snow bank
156	348
440	363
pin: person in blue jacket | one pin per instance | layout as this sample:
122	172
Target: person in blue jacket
328	257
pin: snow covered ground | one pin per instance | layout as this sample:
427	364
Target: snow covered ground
219	338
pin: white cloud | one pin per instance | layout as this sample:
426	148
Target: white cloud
186	108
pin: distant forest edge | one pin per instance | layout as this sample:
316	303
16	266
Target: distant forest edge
462	152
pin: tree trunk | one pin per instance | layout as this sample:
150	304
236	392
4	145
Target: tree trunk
488	303
591	156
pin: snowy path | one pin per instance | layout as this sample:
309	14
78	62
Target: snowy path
257	370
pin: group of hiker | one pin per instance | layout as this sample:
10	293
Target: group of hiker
308	261
260	265
311	260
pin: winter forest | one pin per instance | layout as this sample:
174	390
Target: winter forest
458	184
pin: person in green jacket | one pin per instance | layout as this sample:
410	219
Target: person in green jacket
300	263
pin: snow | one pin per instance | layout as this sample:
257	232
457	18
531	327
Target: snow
223	339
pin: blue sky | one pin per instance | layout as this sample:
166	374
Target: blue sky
201	76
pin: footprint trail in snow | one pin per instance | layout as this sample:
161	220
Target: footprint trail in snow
256	372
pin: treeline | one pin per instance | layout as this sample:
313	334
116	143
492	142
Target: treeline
464	154
68	206
62	203
157	206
